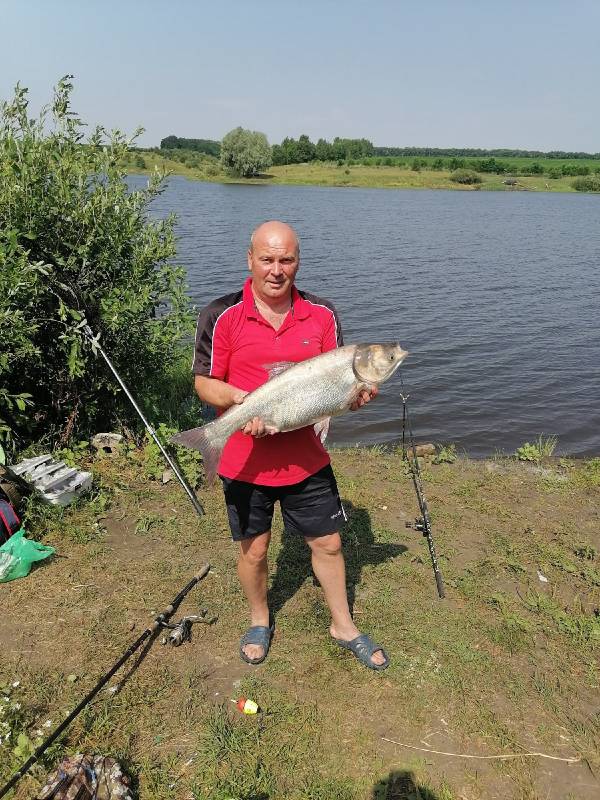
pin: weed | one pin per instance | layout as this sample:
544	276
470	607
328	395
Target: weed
585	552
544	447
75	454
147	522
446	455
578	627
189	460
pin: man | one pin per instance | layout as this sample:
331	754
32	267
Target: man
271	321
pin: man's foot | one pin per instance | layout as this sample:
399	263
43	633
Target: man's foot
255	643
373	656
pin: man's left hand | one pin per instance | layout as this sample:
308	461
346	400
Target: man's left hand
364	397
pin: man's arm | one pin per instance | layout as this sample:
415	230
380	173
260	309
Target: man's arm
218	393
223	395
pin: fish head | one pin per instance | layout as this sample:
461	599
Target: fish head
375	363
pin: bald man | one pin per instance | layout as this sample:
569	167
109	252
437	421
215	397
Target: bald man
269	321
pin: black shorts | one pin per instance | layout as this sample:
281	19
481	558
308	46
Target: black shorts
310	508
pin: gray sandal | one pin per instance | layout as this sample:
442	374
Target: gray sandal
363	648
260	635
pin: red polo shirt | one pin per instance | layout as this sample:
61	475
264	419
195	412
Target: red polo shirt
233	343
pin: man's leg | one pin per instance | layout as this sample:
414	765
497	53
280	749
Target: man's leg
252	572
328	565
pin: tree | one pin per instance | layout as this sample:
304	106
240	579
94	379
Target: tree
208	146
324	150
77	245
306	149
245	153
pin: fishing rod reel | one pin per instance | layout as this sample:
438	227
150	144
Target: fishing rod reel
180	632
417	525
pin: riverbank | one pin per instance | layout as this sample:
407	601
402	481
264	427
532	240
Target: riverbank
506	664
375	177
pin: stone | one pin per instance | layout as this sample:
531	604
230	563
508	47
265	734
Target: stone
424	450
107	444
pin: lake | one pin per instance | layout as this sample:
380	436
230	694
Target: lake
495	295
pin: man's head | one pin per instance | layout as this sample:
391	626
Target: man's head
273	260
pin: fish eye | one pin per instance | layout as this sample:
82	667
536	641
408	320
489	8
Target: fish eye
391	358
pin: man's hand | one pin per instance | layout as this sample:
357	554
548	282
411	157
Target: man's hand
364	397
257	428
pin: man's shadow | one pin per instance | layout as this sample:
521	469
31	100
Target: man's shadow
359	548
400	784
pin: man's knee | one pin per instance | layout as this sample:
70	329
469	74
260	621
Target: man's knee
254	551
330	545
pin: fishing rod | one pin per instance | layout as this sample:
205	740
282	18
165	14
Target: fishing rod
422	523
161	621
87	332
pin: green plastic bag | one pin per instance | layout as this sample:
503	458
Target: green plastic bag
18	554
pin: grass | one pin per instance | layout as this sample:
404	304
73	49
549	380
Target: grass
505	664
329	174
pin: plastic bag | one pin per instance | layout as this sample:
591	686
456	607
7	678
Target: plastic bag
18	554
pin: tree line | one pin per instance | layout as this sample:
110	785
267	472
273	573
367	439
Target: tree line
303	150
472	152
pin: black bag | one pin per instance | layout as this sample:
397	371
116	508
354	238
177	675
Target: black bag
9	521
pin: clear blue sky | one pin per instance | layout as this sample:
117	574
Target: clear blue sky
429	73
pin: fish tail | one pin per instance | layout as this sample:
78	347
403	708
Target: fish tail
208	441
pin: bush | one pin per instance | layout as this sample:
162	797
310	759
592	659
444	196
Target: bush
465	176
589	183
76	245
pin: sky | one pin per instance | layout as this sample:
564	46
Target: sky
519	74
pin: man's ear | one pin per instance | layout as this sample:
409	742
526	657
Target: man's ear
249	256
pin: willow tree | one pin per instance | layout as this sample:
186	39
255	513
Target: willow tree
245	153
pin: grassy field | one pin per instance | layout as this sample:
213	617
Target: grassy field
329	174
507	664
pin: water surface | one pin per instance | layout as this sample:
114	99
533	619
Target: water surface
495	295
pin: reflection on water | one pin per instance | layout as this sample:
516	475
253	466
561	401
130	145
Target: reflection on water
495	295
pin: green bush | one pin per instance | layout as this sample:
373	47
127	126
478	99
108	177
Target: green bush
465	176
76	245
590	183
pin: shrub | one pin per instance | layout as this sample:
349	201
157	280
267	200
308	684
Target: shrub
590	183
465	176
76	245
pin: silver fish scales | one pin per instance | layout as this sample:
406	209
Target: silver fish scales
299	394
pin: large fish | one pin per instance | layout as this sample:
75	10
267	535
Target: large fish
299	394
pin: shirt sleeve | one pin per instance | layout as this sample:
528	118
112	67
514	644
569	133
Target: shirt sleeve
332	334
211	351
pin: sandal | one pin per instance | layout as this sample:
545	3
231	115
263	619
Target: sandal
363	648
260	635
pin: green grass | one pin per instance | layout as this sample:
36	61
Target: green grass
329	174
504	664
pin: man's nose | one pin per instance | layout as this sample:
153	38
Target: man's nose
276	268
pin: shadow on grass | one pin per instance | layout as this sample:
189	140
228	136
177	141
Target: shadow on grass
359	547
400	784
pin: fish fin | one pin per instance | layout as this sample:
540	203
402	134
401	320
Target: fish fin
204	440
321	428
277	367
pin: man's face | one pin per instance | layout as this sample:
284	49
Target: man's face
273	262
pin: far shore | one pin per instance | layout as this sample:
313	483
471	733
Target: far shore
365	177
